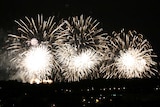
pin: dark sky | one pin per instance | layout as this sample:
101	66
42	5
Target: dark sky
140	15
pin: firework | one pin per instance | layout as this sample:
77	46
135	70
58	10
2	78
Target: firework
81	49
32	49
132	56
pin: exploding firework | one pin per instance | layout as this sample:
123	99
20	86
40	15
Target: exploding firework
132	56
32	49
33	33
82	48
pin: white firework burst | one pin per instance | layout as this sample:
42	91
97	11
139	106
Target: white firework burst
86	42
33	36
132	63
132	56
76	65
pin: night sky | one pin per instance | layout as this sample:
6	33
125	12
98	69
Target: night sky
140	15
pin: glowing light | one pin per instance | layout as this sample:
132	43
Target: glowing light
127	60
97	101
47	81
84	61
37	81
37	59
82	64
34	42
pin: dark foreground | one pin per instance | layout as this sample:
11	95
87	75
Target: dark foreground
87	93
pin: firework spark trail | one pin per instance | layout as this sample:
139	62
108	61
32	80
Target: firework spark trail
83	33
85	39
132	56
34	35
43	31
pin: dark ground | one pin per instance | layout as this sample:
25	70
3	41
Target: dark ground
95	93
140	15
